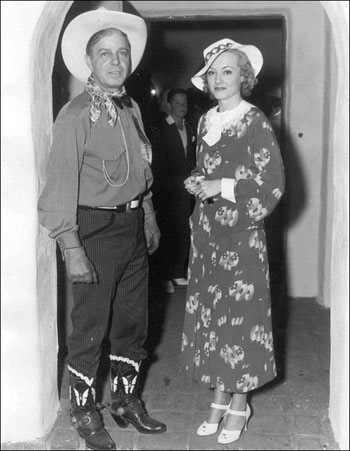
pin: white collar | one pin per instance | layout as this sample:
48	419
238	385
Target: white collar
170	120
216	120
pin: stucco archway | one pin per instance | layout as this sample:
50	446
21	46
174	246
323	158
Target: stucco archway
44	47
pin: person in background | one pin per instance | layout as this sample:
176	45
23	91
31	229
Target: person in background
158	119
275	100
227	342
199	102
163	103
177	156
97	205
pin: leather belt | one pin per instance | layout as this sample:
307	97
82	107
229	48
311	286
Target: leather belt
132	205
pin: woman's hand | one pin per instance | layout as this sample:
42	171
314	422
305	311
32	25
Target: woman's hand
209	188
191	185
204	189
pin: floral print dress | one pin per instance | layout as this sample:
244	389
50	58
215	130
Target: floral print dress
227	334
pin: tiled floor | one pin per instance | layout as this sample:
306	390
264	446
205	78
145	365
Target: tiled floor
290	414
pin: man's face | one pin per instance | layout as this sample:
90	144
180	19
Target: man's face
110	61
178	105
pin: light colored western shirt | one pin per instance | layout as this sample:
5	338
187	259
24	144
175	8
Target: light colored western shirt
96	166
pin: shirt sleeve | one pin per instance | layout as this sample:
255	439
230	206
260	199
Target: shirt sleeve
263	184
57	205
147	204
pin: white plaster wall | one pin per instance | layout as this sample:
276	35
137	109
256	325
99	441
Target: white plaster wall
29	401
305	155
29	396
337	257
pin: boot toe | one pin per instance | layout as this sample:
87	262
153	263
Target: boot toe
90	428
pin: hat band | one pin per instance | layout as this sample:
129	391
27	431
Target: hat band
216	50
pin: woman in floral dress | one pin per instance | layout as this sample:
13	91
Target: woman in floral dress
227	338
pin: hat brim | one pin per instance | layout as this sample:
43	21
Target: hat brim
80	30
253	53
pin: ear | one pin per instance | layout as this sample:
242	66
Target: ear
88	61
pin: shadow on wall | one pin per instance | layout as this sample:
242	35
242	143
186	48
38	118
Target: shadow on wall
288	211
296	195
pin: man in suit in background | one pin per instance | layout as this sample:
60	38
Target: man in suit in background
177	147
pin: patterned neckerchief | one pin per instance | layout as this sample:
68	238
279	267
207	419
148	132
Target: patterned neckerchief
99	98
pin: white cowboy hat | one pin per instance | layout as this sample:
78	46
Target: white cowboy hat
214	50
80	30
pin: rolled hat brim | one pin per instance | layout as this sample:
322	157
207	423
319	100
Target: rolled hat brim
80	30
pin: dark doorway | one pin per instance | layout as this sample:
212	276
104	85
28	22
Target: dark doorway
174	54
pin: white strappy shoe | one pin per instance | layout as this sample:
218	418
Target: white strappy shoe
210	428
232	436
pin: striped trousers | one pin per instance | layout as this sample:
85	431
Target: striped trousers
117	306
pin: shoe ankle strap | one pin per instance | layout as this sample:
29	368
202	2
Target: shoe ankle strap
237	412
214	405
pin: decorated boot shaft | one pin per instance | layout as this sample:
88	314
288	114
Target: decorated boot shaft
126	407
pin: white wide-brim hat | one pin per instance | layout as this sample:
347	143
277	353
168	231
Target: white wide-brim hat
214	50
80	30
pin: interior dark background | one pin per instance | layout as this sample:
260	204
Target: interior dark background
174	53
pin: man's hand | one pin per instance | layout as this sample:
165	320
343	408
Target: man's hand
152	233
79	268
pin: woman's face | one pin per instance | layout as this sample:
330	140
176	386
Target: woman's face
224	76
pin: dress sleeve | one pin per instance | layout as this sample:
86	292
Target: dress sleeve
57	205
263	184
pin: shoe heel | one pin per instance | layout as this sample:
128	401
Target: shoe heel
226	436
121	422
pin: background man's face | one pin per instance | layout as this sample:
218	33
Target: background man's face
178	105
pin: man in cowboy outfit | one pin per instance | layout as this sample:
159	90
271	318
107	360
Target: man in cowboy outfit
97	204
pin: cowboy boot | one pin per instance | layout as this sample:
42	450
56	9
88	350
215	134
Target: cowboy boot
84	416
126	407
